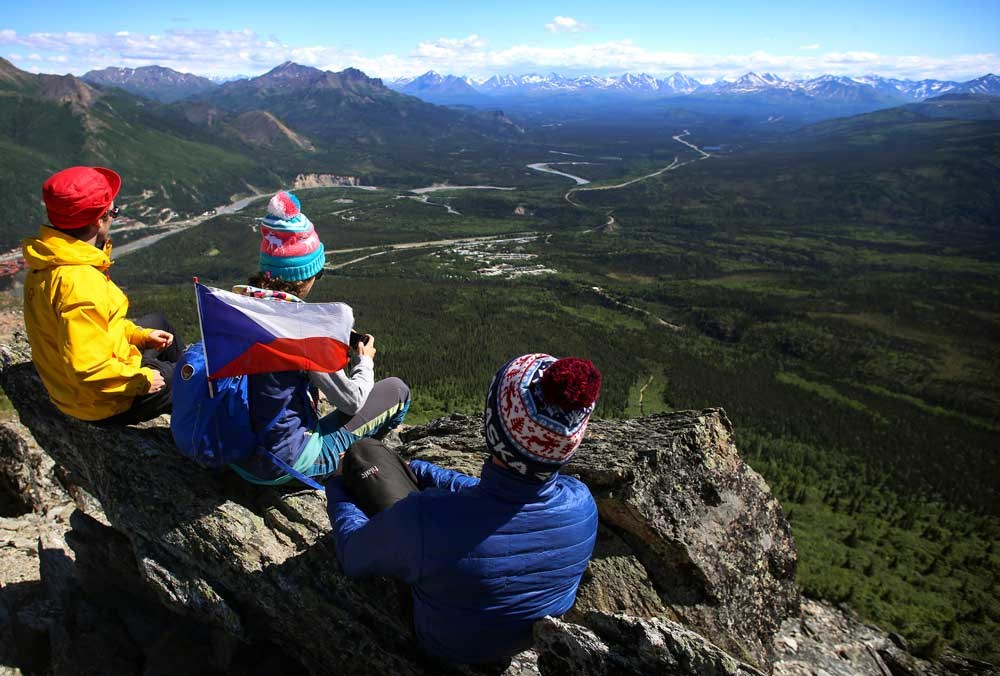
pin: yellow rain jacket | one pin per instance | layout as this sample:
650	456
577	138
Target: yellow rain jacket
84	348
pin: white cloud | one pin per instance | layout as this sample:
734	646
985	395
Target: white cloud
445	48
243	52
851	57
565	24
199	51
814	46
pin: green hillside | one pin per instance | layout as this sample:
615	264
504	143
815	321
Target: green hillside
36	138
248	136
165	162
960	106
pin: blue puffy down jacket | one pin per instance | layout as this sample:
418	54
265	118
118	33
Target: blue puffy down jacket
484	557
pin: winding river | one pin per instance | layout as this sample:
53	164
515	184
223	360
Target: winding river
546	167
421	194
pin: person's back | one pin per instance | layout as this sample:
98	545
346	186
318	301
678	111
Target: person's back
64	273
283	404
486	558
280	402
497	556
95	363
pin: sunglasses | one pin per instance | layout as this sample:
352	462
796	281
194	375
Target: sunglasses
112	212
319	275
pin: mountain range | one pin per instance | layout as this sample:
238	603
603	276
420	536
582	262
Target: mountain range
167	85
450	89
825	86
345	110
153	82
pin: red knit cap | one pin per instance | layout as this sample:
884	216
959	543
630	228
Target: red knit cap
78	196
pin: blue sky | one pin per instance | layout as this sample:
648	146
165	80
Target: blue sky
959	39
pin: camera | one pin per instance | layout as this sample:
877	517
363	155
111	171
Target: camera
358	338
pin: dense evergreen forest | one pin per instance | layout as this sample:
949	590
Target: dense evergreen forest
836	292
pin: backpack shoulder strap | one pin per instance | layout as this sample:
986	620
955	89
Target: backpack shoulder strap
292	472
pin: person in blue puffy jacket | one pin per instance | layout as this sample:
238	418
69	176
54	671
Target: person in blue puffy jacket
485	558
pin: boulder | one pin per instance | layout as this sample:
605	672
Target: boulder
705	527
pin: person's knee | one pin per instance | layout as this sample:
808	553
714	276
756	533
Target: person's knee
153	320
396	385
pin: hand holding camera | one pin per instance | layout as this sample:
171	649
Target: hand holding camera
363	344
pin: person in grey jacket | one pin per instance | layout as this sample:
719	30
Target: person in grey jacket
283	404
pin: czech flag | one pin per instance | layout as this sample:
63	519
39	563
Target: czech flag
244	335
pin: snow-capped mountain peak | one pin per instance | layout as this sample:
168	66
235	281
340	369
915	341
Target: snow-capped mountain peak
678	83
866	90
752	81
987	84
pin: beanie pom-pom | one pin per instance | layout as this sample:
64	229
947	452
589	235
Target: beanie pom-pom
284	205
571	383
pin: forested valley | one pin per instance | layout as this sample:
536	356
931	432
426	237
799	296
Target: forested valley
834	289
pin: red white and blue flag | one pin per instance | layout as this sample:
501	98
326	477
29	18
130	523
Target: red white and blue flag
244	335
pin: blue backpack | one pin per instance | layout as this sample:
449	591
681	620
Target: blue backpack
216	430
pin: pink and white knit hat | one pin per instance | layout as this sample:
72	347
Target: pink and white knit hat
537	411
289	247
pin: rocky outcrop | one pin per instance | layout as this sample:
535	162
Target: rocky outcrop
702	523
694	559
829	640
324	181
67	89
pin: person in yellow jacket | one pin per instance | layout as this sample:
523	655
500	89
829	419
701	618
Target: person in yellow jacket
96	364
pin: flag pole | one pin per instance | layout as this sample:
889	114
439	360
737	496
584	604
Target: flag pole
201	328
